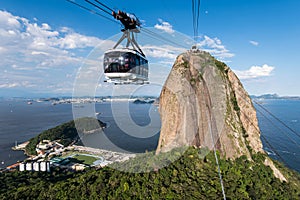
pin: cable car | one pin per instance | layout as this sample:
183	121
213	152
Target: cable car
126	65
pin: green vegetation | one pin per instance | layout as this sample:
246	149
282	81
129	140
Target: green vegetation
87	160
235	104
88	124
65	133
192	176
193	81
220	65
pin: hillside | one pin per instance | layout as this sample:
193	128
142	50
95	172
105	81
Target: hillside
275	97
203	103
192	176
66	133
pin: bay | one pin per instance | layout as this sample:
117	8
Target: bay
20	122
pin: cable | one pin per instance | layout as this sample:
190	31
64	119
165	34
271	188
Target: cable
216	157
276	118
92	11
196	15
105	6
193	13
99	7
157	36
212	122
148	32
284	124
273	124
267	142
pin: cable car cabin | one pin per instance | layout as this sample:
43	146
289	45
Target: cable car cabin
124	66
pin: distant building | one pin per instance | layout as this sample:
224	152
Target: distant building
43	166
47	146
58	161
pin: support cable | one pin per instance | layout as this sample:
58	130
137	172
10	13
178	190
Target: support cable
279	120
161	38
276	118
216	157
99	7
104	5
92	11
212	122
267	142
197	22
196	15
273	124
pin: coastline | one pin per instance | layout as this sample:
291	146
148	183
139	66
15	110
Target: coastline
107	157
20	147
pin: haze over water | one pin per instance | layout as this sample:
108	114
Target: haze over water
20	122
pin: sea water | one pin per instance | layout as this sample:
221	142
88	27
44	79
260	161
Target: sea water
20	122
282	132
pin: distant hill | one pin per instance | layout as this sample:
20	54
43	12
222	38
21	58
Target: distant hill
275	96
66	133
140	101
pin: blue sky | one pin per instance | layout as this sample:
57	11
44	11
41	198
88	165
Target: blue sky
44	44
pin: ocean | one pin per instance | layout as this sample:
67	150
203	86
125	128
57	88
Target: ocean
19	122
283	132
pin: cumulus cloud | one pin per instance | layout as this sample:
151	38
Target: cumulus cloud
33	42
166	52
35	55
255	72
215	47
30	51
164	26
254	43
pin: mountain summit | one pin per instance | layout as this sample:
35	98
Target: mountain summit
204	104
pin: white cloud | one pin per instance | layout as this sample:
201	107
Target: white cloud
30	43
34	54
254	43
17	84
9	85
215	47
255	72
7	20
164	26
75	40
162	52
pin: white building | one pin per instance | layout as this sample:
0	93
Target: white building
43	166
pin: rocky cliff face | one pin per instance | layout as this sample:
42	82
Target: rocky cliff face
204	104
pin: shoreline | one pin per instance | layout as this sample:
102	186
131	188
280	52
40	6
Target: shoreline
108	156
20	147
